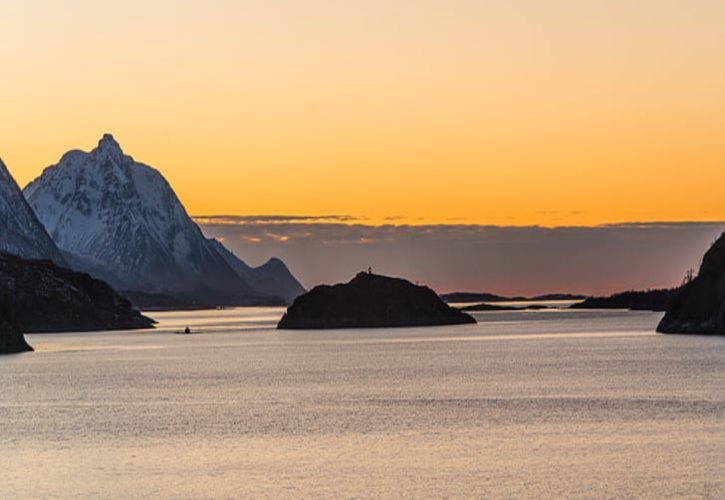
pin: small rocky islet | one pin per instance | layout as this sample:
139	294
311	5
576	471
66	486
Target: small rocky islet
370	301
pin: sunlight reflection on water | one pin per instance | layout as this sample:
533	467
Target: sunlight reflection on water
552	404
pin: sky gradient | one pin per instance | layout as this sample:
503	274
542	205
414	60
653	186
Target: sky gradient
523	112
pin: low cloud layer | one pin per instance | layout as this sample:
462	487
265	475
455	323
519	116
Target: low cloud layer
502	259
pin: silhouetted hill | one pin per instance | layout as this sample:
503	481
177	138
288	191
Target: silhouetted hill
12	339
44	297
699	306
648	300
370	301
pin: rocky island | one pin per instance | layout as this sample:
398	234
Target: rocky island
44	297
370	301
699	306
11	337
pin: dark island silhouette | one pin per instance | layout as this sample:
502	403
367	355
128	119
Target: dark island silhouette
44	298
370	301
12	339
699	306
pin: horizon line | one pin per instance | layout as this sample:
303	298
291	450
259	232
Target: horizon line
400	221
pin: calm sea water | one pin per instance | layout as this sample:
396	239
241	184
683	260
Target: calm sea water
525	404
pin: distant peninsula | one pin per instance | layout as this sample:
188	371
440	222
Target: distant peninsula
646	300
12	339
483	307
699	306
44	297
370	301
458	297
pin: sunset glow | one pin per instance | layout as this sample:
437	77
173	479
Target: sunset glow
497	112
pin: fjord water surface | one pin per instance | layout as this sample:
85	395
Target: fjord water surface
524	404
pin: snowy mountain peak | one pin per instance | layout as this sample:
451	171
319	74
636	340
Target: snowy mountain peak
121	221
108	142
108	147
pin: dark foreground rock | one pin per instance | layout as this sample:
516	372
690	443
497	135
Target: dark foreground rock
699	306
647	300
12	339
370	301
44	297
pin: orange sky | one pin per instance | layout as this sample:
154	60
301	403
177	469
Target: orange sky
489	112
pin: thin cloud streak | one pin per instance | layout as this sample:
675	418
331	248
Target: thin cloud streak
504	259
254	219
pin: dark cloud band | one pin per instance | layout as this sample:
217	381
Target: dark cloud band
505	259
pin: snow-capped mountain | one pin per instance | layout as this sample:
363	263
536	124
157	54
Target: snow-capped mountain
121	221
20	231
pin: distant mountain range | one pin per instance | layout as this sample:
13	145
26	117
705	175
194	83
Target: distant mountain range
120	221
459	297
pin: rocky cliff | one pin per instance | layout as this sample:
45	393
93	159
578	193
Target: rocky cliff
699	306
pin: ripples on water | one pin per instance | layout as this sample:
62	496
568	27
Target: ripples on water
533	404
